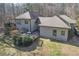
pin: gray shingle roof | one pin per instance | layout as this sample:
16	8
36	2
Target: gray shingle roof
28	15
52	22
68	19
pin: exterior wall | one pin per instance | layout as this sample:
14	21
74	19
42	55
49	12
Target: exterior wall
23	25
33	25
27	26
48	33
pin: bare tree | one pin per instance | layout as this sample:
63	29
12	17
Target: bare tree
13	10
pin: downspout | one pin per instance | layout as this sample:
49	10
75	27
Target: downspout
30	25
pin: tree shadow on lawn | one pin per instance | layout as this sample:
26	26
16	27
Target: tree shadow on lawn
32	47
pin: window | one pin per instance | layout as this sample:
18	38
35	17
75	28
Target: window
26	22
54	33
62	32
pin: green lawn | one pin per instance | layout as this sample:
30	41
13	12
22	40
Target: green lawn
54	48
58	48
49	48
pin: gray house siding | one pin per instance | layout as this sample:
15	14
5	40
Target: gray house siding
26	26
47	32
23	25
33	25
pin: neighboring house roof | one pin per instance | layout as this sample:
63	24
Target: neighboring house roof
67	19
52	22
28	15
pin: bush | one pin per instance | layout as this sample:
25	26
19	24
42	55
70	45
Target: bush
23	40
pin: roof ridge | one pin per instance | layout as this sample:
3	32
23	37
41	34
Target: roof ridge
64	21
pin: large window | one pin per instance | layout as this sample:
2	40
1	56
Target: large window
54	32
62	32
26	21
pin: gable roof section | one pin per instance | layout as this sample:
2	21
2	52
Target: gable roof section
28	15
24	16
52	22
67	19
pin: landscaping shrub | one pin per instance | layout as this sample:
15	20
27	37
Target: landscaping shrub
22	40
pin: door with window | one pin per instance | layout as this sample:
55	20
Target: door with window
62	33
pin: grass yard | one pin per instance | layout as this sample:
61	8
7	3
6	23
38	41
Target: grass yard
49	48
58	49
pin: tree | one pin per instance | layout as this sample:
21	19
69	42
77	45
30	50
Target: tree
28	7
2	13
13	10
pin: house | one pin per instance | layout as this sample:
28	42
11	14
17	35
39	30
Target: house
26	21
54	28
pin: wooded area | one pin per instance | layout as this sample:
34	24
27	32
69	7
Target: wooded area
10	10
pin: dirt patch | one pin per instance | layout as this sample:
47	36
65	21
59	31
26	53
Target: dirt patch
69	50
